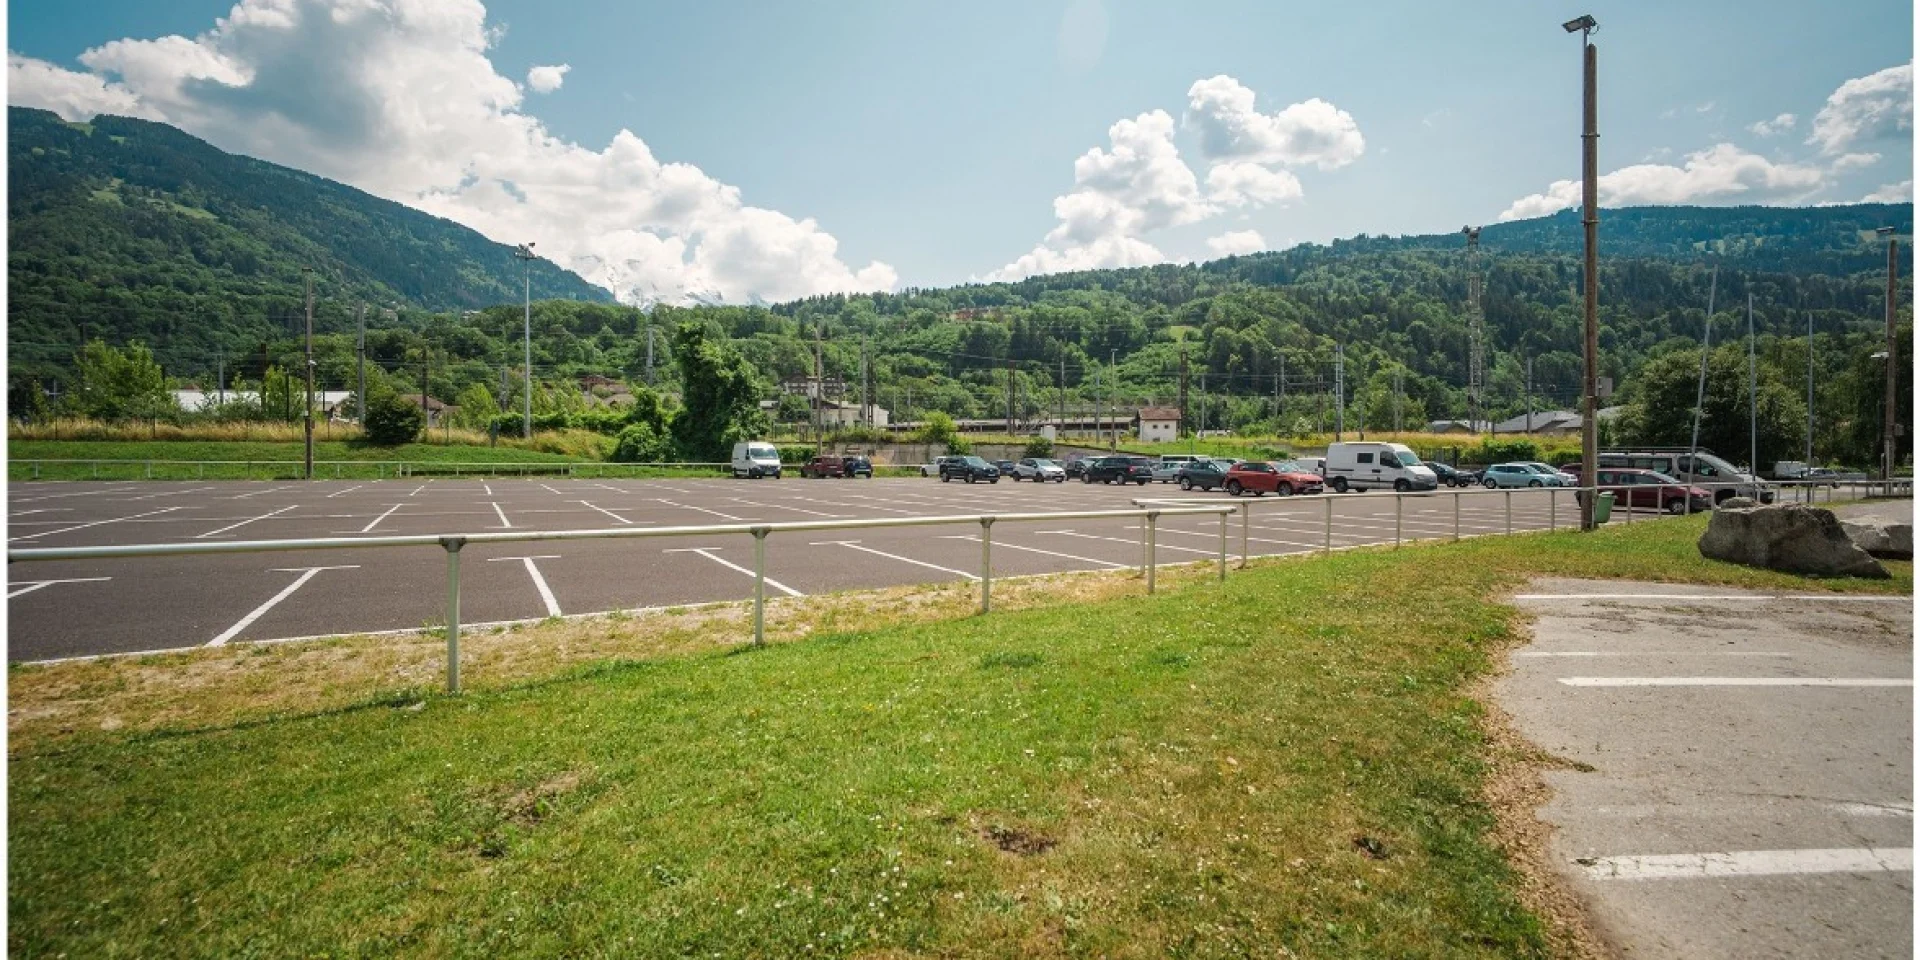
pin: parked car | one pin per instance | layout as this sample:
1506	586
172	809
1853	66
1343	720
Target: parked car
858	466
1120	469
1039	470
1510	475
1571	470
1701	468
1004	466
1206	474
1368	465
931	469
753	459
1168	469
1651	490
822	467
1260	478
1077	466
1450	476
969	469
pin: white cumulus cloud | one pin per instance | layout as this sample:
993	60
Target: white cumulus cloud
1901	192
399	98
1719	173
1855	161
547	79
1874	107
1310	132
1237	184
1236	242
1778	125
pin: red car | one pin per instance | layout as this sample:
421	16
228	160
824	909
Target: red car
1259	478
1650	489
824	467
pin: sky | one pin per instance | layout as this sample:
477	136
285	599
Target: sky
762	152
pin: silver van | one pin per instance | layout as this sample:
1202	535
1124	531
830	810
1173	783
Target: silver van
1702	468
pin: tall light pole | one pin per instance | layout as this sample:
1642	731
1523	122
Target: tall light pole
309	458
1590	220
525	252
1893	352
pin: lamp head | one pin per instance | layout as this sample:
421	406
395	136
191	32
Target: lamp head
1586	22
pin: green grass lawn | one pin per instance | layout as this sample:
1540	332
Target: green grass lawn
279	460
1290	761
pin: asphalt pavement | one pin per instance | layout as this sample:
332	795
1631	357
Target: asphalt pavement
74	608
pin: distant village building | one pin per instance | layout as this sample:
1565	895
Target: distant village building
834	413
1157	424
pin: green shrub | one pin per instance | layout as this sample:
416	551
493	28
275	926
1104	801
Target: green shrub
796	452
1038	447
642	443
392	421
1500	451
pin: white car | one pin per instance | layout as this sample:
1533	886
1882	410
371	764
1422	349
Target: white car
1039	470
930	469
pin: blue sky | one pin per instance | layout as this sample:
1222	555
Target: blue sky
934	138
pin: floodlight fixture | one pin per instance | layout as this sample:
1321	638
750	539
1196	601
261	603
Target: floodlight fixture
1586	22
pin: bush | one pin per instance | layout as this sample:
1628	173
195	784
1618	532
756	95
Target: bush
1500	451
641	443
959	446
392	421
797	452
1038	447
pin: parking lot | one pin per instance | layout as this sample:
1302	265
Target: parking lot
79	608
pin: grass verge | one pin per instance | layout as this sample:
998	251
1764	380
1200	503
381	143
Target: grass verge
1291	761
278	460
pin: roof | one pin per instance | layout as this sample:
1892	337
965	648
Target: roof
1542	420
196	399
1159	413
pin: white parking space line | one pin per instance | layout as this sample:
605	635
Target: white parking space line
376	520
539	582
871	506
168	493
782	506
1737	681
351	489
1750	863
855	545
306	573
552	490
24	513
723	516
260	492
1132	543
488	487
96	523
416	490
614	489
29	586
1650	653
708	553
1873	809
1713	596
1233	535
1051	553
233	526
504	522
604	510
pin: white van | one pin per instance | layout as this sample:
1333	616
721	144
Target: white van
753	459
1366	466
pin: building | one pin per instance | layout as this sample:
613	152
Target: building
436	411
324	401
1157	424
1552	423
834	413
1457	426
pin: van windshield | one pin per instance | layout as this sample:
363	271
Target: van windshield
761	451
1406	458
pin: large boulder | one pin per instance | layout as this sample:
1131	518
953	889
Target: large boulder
1888	540
1791	537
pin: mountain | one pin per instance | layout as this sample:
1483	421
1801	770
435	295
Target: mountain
126	229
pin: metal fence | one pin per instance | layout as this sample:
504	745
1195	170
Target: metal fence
452	544
39	469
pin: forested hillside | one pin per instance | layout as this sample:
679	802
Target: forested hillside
124	229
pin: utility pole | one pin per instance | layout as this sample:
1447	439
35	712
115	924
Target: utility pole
1060	428
360	351
1339	390
1529	393
1809	452
221	379
649	352
1398	386
1476	332
865	419
819	377
309	459
1753	399
1590	220
1113	393
1700	392
1184	412
1200	421
1893	350
525	253
1010	427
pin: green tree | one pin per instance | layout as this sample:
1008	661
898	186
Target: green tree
115	384
642	443
721	405
1662	414
391	420
475	407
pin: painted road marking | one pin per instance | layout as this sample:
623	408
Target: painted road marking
855	545
305	574
168	493
504	522
723	516
1737	681
351	489
1707	596
1132	543
416	490
1873	809
231	526
705	552
376	520
539	582
1051	553
488	487
782	506
552	490
259	492
29	586
1750	863
1234	536
96	523
1651	653
604	510
45	510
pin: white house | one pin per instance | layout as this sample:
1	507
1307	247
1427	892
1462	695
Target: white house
1157	424
195	400
834	413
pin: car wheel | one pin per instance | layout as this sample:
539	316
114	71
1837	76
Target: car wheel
1339	484
1285	489
1086	478
1233	488
994	480
1533	483
1676	506
1186	483
1490	484
945	478
1401	486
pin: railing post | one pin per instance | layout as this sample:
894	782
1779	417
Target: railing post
986	564
1456	515
1399	509
36	469
1223	548
1509	513
1153	524
96	469
760	586
1616	503
149	469
1246	520
453	545
1553	509
1328	501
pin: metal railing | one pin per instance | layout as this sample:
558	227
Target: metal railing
452	544
345	469
1803	491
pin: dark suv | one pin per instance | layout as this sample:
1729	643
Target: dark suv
857	467
1119	470
968	469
